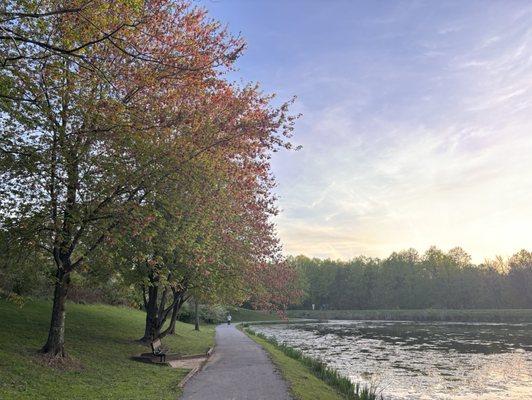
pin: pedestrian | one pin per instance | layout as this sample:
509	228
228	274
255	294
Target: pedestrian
229	318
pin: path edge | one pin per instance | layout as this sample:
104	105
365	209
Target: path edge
195	370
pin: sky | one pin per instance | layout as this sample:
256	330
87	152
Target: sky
416	126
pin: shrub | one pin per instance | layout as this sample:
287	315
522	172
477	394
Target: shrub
211	314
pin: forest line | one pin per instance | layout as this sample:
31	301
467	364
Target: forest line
408	280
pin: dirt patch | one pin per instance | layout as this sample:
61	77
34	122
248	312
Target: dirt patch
189	363
66	363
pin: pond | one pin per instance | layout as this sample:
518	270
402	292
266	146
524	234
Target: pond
411	360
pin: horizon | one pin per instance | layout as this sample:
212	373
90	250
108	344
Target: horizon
171	229
415	122
420	253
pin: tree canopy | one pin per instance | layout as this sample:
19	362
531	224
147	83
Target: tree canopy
123	140
408	280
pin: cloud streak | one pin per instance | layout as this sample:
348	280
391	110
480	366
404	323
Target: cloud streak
417	126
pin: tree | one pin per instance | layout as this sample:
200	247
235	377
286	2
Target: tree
82	149
209	233
23	270
520	278
407	281
37	30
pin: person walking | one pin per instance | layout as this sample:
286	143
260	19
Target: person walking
229	318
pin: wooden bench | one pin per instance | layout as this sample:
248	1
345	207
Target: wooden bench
157	350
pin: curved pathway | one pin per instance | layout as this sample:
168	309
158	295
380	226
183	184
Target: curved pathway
239	369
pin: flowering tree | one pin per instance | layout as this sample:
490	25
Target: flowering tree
119	131
83	148
210	234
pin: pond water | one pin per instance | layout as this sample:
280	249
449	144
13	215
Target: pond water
410	360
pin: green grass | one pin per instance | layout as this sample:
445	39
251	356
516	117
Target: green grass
244	314
508	315
101	339
303	384
310	378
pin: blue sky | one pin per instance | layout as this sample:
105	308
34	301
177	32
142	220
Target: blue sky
416	127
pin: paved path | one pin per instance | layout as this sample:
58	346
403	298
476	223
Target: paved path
239	369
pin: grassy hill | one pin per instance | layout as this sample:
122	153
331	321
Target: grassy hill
100	339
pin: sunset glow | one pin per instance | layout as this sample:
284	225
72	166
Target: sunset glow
417	127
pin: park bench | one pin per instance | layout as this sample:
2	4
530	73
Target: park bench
157	350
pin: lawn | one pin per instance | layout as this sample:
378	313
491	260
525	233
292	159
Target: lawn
303	384
100	339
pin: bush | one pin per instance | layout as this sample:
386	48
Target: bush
211	314
113	292
25	274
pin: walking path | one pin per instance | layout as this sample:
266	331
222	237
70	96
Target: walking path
239	369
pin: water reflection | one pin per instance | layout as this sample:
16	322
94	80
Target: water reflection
410	360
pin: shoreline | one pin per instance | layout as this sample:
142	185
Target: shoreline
425	315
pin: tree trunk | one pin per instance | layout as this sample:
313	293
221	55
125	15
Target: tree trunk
196	324
151	329
55	345
158	311
175	312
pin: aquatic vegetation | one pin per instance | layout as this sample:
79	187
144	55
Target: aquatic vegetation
493	315
412	360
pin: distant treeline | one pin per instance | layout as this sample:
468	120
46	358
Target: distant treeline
408	280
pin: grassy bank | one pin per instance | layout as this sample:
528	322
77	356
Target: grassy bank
510	315
100	339
303	384
309	378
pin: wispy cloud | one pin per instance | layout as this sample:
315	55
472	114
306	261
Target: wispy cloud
417	126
